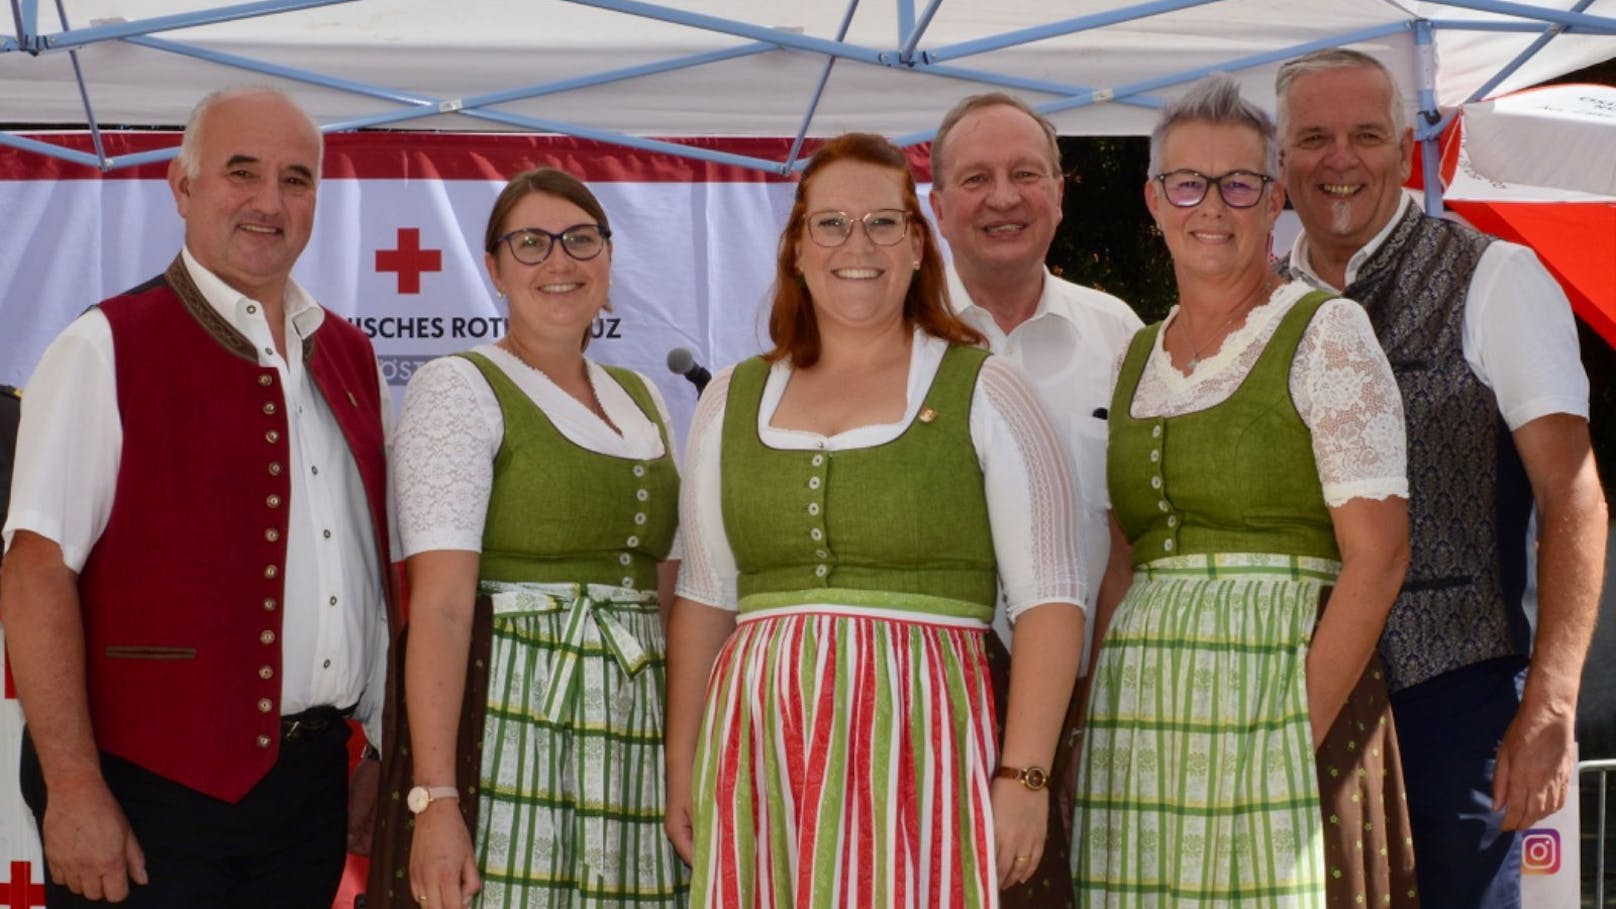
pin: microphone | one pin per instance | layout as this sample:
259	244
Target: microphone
682	362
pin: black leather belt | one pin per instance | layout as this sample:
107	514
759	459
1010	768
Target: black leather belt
312	722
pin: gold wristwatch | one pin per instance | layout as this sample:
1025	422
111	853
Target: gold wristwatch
1034	778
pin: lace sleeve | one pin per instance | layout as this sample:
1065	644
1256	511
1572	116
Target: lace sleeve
1032	501
1344	390
443	460
707	572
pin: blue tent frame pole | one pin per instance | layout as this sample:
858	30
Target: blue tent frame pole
84	91
819	87
81	36
50	151
910	33
739	29
1549	34
905	54
1056	29
542	125
1527	27
1571	19
1235	65
1429	116
25	18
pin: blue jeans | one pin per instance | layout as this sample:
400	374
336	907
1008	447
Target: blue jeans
1449	728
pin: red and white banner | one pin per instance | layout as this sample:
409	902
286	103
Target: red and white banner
1568	216
397	239
397	249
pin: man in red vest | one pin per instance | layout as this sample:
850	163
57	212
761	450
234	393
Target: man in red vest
194	590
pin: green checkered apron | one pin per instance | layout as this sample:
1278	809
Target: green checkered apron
571	789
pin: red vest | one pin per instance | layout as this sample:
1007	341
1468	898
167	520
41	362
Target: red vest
181	594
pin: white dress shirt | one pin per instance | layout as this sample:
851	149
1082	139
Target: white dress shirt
1067	349
334	629
1520	337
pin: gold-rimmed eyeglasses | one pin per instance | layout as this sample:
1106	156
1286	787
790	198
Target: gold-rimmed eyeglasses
884	226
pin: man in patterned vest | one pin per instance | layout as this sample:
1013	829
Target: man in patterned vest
1485	350
194	590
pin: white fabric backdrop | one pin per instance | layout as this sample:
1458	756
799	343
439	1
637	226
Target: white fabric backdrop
692	261
693	258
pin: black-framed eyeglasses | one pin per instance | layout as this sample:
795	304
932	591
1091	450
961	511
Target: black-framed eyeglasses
532	245
1239	188
884	226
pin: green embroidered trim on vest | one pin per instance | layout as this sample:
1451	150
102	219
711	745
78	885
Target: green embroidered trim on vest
1237	477
560	513
906	517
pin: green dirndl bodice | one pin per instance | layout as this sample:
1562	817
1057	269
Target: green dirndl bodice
571	792
1197	783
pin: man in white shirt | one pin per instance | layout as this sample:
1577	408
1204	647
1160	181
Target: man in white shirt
1485	351
194	590
996	191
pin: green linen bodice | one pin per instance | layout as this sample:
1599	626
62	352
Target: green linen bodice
560	513
907	517
1239	476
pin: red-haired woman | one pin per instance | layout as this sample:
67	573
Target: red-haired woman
856	502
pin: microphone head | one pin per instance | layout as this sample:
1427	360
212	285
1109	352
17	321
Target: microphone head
680	360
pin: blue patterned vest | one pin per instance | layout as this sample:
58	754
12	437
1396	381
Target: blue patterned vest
1469	498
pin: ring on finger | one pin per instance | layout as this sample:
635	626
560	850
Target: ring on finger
1020	859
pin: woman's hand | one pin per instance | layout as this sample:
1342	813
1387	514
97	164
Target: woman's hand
696	633
1373	537
443	869
1043	668
1020	826
680	819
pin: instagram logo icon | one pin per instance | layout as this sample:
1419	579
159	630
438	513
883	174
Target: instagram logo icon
1540	851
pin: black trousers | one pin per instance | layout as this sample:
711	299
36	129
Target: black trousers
283	845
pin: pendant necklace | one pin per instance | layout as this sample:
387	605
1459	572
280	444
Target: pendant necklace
1243	309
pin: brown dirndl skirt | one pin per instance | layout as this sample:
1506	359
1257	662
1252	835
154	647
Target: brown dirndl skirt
389	883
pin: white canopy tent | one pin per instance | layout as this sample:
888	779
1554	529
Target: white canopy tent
625	70
658	78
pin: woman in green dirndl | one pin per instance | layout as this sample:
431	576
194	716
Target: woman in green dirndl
858	503
537	502
1257	465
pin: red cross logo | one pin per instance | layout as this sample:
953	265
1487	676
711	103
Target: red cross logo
20	892
409	260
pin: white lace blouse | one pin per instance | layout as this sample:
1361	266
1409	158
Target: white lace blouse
1340	381
451	429
1030	495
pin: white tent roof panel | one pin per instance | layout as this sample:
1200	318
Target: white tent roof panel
435	52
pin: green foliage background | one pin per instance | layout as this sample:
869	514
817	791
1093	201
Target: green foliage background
1106	239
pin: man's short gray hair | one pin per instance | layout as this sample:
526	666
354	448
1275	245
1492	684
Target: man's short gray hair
1215	99
191	143
1329	59
983	101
